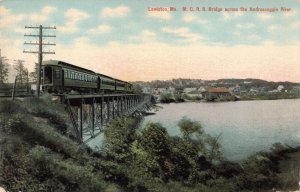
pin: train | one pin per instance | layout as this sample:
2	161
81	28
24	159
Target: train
61	77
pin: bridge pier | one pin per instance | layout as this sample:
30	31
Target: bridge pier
90	113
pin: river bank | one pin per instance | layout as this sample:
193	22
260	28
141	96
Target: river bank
36	154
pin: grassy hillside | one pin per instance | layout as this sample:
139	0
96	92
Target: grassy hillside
36	154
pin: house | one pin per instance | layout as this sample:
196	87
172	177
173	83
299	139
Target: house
213	93
280	88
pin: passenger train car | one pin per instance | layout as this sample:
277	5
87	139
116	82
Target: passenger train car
62	77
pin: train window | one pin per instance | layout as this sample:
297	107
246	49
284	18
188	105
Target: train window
72	75
57	73
66	74
75	75
79	76
48	75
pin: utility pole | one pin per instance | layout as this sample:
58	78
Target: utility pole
40	51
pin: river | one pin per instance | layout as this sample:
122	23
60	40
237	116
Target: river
246	126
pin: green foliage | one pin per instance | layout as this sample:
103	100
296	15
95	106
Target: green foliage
137	88
154	139
213	148
191	98
173	158
37	157
166	98
190	128
9	107
78	177
271	96
22	72
3	70
118	137
178	98
54	112
228	98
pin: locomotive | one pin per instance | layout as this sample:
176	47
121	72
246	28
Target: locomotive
62	77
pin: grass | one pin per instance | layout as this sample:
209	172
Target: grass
38	155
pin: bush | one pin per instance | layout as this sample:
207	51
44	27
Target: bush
76	176
166	98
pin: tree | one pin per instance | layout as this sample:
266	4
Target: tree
137	88
188	128
214	148
22	72
3	70
33	75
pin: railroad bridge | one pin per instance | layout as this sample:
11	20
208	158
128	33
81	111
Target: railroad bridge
89	114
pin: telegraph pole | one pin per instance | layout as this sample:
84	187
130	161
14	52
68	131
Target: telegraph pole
40	51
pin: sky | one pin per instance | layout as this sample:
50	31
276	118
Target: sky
132	40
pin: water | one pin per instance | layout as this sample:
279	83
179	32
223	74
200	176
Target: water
246	126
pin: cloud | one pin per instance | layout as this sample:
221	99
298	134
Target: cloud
253	37
296	24
9	20
273	28
155	60
162	15
49	9
43	15
4	10
191	18
145	36
120	11
265	16
232	15
291	13
183	33
245	26
101	29
73	16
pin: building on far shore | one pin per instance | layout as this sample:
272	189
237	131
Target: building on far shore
215	93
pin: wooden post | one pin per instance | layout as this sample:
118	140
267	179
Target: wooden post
81	119
101	111
108	110
14	88
93	117
113	107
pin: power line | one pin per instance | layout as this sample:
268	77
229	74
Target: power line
40	51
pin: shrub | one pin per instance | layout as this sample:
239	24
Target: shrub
166	98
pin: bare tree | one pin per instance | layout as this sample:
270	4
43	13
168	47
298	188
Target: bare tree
34	75
22	72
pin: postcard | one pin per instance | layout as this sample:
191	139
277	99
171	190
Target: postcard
173	95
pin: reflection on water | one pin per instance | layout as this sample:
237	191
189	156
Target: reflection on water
246	126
